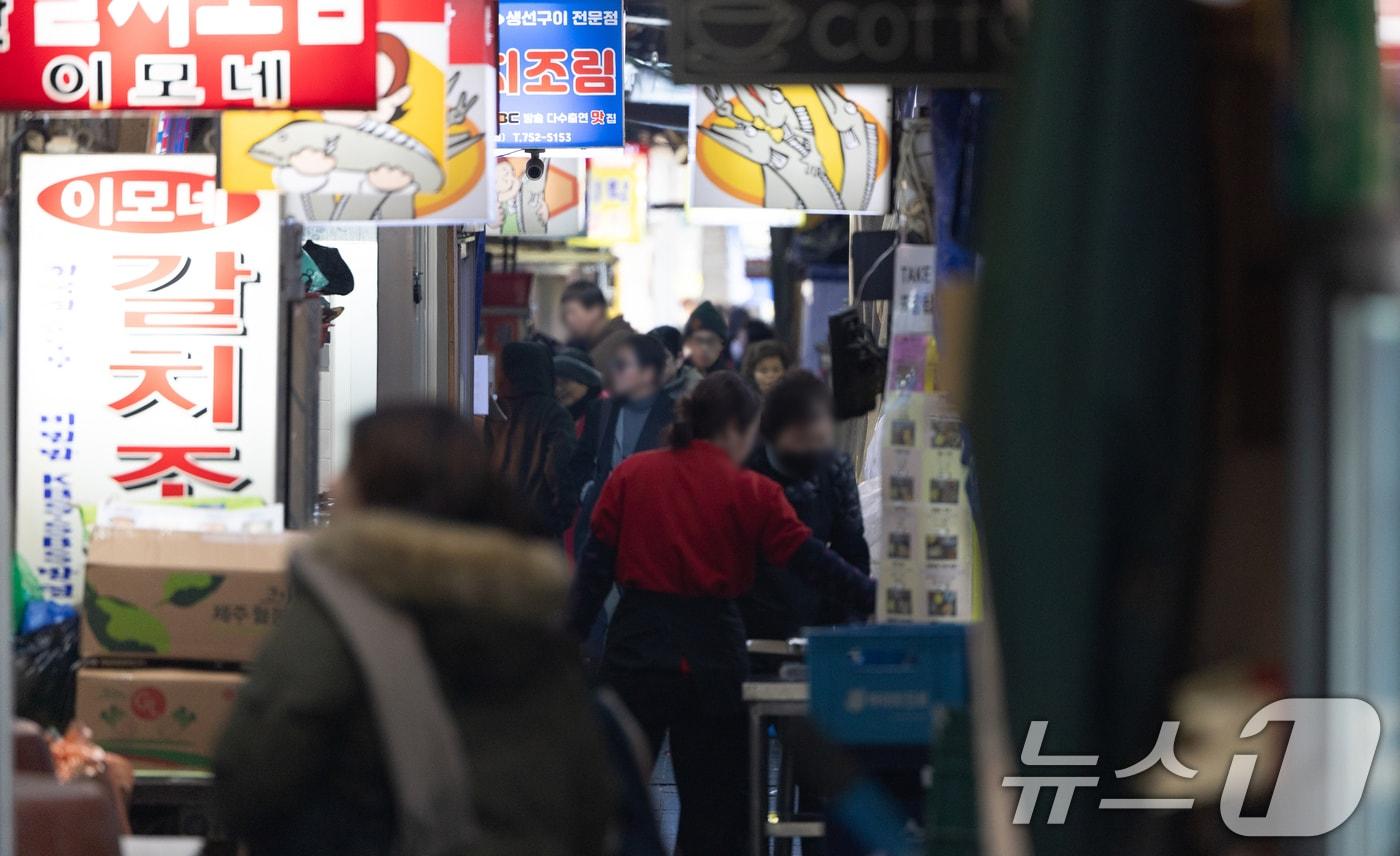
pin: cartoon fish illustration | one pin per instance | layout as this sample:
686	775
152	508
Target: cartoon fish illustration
370	166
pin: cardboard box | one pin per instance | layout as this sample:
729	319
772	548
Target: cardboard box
161	719
189	596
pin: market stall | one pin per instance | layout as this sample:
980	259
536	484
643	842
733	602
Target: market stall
240	227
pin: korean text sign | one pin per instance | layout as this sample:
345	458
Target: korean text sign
186	54
560	74
148	345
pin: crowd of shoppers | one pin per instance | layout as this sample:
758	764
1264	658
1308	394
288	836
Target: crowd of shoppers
627	491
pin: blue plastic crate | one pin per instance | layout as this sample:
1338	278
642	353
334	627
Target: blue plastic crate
879	684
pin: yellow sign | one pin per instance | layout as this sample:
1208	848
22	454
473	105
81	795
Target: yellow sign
617	199
824	149
420	155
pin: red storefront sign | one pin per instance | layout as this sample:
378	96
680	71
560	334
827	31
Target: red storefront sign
186	54
471	32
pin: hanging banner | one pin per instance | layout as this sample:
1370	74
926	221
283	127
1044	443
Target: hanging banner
148	345
938	43
471	115
617	198
185	54
550	206
418	156
822	149
561	74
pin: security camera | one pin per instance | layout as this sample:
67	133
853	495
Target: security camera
534	167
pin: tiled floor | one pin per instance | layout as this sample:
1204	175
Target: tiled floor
668	803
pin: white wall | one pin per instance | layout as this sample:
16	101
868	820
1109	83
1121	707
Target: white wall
349	365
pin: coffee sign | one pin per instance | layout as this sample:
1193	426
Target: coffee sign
938	42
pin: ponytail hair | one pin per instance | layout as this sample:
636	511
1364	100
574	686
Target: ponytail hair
720	400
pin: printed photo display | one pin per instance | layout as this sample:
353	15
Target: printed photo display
927	564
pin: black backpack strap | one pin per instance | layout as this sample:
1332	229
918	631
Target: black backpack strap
422	745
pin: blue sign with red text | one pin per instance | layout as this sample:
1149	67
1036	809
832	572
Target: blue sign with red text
560	67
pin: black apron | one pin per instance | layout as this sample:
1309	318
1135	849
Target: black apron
702	637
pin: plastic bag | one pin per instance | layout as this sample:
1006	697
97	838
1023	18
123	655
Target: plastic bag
40	613
24	589
871	498
46	670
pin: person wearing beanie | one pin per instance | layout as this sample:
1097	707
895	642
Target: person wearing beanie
670	337
756	331
707	339
577	383
680	378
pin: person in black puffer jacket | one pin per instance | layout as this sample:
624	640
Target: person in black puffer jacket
798	452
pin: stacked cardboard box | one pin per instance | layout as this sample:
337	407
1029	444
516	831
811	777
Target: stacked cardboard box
169	620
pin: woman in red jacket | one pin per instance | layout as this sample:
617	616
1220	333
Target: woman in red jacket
680	531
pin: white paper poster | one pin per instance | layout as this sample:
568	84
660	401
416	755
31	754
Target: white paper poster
911	321
812	148
148	346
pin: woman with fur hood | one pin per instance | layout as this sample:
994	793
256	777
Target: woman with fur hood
431	531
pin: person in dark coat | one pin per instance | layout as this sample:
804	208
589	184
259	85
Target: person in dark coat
707	340
577	383
531	440
634	418
680	377
585	314
433	531
679	530
797	450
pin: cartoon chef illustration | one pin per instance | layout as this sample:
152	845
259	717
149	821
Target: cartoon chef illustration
521	208
355	164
